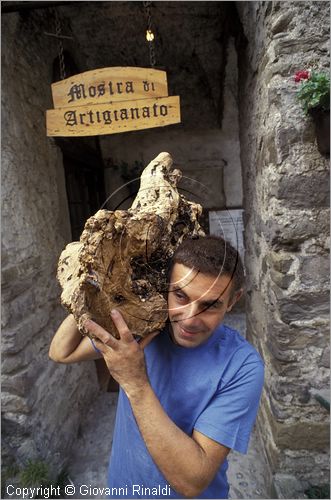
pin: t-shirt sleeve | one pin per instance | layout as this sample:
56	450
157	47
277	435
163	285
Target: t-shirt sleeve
230	415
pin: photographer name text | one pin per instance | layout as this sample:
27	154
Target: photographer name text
134	490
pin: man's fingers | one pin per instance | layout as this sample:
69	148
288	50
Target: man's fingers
98	346
100	333
121	326
146	340
103	337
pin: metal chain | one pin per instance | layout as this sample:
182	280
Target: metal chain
58	30
151	43
152	56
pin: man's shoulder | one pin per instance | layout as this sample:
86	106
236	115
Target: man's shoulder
236	343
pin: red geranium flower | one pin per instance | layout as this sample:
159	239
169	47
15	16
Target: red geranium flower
301	75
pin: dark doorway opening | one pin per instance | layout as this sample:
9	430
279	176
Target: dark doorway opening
85	192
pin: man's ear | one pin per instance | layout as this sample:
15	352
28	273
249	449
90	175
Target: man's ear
235	299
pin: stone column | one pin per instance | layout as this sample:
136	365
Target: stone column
286	198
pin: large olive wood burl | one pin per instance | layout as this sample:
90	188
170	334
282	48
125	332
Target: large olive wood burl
122	257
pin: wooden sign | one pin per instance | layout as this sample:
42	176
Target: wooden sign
113	118
109	84
110	101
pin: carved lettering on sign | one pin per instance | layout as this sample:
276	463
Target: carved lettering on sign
113	117
109	84
108	116
111	100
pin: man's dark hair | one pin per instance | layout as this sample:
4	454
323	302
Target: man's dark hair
211	255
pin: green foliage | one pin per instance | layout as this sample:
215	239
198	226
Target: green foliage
318	491
34	474
315	92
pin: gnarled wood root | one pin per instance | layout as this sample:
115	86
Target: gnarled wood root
122	257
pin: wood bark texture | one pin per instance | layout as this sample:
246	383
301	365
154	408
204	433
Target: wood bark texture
122	257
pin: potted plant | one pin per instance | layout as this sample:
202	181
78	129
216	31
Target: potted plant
314	95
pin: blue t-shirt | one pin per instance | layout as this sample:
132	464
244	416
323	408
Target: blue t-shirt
214	388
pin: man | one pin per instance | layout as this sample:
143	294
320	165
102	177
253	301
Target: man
189	394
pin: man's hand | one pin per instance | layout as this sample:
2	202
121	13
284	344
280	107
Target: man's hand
125	356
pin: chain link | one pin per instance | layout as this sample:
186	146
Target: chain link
58	30
152	55
151	43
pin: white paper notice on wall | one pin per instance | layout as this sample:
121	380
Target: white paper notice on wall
229	225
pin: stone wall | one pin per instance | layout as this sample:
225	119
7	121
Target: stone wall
286	203
42	402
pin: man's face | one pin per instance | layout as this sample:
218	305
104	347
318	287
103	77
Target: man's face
197	304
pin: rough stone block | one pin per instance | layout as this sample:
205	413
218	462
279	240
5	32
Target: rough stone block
282	280
10	403
291	398
294	227
293	45
9	361
285	138
274	410
17	383
280	261
314	270
302	435
325	358
22	271
281	353
15	339
287	486
28	450
281	22
306	465
300	334
305	191
14	426
302	305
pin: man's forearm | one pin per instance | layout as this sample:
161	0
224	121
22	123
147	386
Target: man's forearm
178	456
66	339
68	345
